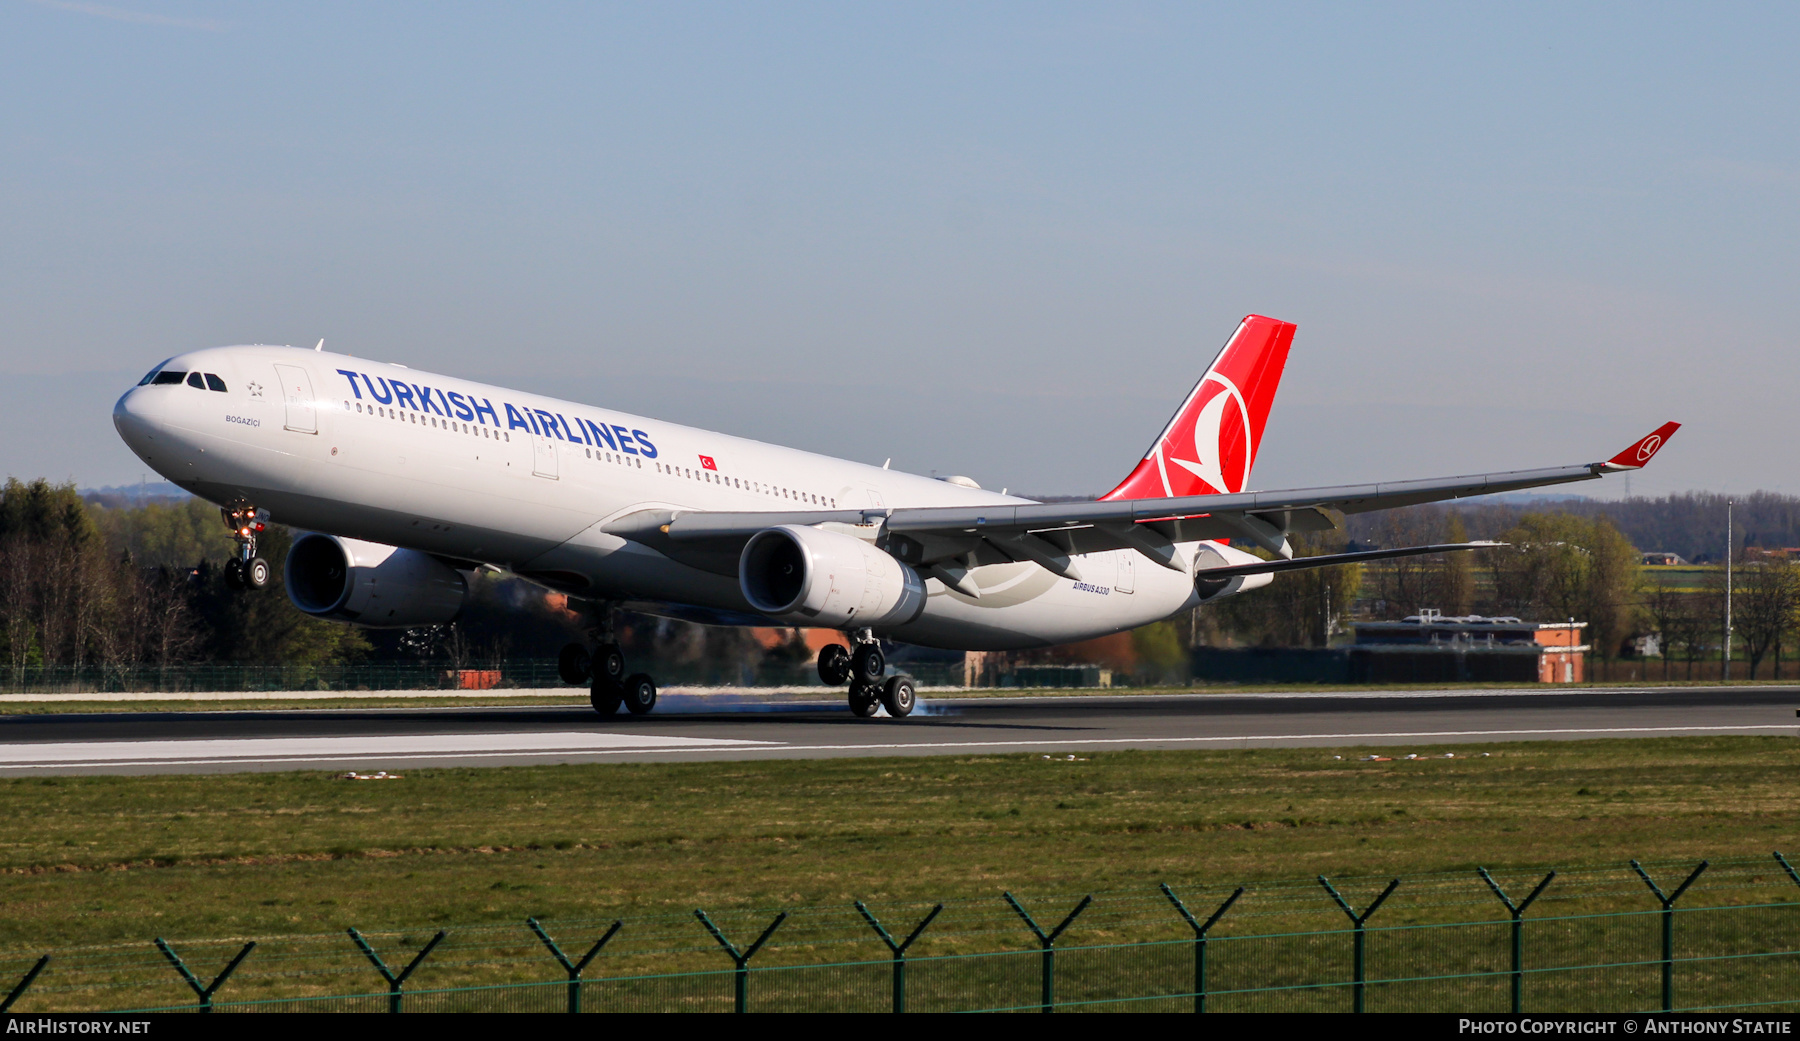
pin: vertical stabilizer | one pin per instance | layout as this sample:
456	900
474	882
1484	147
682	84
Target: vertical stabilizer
1210	445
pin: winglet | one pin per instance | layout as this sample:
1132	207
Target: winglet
1635	457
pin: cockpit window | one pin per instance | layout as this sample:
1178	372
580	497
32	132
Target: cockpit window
195	381
148	376
165	378
215	383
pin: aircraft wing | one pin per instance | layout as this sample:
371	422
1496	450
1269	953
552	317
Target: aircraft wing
955	538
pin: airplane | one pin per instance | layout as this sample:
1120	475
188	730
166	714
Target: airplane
399	483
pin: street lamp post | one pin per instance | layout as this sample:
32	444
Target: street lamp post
1728	544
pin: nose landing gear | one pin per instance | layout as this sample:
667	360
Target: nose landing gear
246	570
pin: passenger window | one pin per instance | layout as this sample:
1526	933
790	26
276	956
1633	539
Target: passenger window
195	381
215	383
163	379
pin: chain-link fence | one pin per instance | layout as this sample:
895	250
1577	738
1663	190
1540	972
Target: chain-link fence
1724	934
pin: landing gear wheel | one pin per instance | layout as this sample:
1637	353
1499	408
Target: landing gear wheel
868	664
234	573
609	661
864	699
898	696
605	696
255	573
640	693
834	664
574	664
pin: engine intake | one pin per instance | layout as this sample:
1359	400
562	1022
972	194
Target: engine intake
369	584
811	576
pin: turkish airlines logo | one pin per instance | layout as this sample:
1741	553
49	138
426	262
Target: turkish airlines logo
706	462
1215	447
1648	447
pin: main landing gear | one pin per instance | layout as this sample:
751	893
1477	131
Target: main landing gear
603	670
863	669
245	570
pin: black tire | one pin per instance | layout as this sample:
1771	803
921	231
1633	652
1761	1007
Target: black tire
234	573
898	695
256	573
864	699
640	693
574	664
605	696
834	664
609	661
868	664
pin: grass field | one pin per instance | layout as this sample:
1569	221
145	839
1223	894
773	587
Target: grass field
98	859
105	863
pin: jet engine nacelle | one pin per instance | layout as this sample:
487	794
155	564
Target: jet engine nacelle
810	576
1212	590
369	584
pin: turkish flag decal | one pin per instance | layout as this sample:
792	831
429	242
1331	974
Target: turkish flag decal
706	461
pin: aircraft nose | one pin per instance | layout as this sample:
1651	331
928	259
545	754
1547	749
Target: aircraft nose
137	418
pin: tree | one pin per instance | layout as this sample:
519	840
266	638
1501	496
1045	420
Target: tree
1561	566
158	534
1408	585
1299	608
1764	608
1669	611
1455	572
261	626
58	585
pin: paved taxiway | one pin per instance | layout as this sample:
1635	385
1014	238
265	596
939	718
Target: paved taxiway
715	727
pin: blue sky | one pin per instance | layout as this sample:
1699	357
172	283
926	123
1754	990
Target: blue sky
999	240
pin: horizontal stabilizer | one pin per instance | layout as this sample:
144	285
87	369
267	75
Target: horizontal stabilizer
1263	567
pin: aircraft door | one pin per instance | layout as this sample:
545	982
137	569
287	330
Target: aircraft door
296	394
1126	582
543	456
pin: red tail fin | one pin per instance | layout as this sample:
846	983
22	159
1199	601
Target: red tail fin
1210	445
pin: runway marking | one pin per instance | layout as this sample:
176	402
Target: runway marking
304	749
499	745
1287	737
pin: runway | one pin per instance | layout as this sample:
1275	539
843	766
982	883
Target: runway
727	727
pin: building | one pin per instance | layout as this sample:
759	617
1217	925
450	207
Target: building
1661	559
1429	646
1423	648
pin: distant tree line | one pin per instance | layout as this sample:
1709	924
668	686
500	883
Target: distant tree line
1691	523
1576	562
104	582
95	584
85	587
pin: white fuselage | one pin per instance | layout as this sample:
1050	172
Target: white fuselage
331	443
